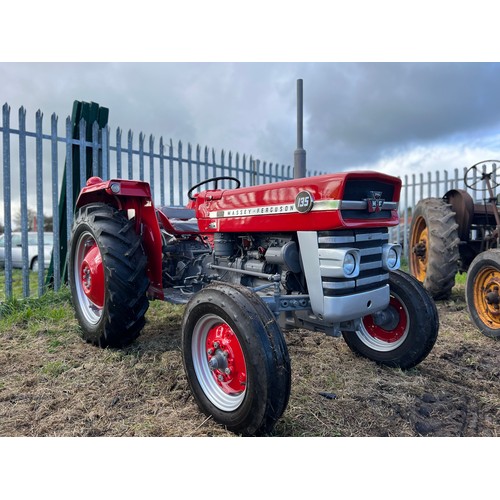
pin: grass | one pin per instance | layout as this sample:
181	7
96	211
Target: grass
17	284
52	383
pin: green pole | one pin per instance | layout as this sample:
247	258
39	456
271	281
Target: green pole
90	112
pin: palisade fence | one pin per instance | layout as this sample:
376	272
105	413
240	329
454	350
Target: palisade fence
36	165
435	185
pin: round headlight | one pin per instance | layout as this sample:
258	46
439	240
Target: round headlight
349	264
392	258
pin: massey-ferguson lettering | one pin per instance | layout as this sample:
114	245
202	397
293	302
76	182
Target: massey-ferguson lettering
248	262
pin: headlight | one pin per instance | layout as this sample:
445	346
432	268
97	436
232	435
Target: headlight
339	262
115	187
349	264
391	256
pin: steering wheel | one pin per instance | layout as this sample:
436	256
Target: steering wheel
473	176
213	179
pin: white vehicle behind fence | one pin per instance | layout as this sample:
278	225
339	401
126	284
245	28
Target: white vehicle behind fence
17	253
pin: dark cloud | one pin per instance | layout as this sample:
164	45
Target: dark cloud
355	113
359	112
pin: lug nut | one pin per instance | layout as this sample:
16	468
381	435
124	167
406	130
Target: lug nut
227	371
210	352
216	345
220	378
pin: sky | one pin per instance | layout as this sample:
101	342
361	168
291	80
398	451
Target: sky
393	117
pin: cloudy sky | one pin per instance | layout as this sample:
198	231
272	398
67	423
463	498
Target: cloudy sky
393	117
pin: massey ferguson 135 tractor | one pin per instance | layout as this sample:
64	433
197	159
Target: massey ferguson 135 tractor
457	234
309	253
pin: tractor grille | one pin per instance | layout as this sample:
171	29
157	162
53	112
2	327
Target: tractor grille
354	206
372	275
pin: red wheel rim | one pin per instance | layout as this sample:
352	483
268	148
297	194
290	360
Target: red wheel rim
226	359
388	336
92	275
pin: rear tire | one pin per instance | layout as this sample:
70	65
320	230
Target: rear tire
433	246
236	359
482	292
411	334
107	276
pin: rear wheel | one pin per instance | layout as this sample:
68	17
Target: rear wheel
236	359
404	334
107	276
482	292
433	248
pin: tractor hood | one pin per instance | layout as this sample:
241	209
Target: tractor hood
325	202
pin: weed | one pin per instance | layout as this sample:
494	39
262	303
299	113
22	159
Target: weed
54	368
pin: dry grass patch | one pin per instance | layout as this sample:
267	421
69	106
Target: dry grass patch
54	384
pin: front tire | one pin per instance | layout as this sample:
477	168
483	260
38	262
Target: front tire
107	276
482	292
236	359
408	335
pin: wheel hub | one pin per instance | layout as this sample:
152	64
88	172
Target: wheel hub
225	359
390	325
419	242
92	276
490	289
420	250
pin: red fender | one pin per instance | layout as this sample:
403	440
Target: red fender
133	197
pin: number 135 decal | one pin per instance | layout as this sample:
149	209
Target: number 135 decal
304	202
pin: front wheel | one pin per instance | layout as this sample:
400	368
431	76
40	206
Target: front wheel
482	292
407	330
236	359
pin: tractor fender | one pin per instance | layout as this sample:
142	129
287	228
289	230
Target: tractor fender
133	197
463	205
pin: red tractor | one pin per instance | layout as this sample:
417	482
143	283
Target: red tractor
248	262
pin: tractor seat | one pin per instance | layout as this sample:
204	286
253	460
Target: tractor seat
182	219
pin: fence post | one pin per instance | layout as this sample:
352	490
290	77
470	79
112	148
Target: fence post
39	202
96	170
190	165
130	162
7	200
70	187
119	153
56	252
162	172
405	235
23	185
151	165
180	174
141	156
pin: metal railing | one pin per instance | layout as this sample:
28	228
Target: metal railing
433	185
33	167
170	169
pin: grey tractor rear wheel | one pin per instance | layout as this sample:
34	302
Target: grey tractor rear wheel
107	276
433	246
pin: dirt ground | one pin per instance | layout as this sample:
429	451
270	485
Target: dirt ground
54	384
